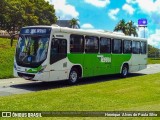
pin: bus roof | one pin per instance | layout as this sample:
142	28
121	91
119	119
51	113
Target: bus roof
107	34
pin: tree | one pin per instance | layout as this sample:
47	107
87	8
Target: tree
127	28
121	26
131	29
74	23
20	13
153	51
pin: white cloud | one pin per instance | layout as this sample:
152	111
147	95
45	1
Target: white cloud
131	1
112	13
154	39
147	6
128	8
87	26
64	10
98	3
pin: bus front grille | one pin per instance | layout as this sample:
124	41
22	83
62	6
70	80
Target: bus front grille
26	76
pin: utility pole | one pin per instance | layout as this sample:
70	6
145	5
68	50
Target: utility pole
142	23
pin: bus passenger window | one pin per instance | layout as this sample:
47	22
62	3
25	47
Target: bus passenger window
91	45
76	44
127	46
135	47
116	46
143	47
105	45
58	50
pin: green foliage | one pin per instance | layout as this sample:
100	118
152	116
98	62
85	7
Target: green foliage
127	28
6	58
17	13
130	94
153	60
153	52
74	23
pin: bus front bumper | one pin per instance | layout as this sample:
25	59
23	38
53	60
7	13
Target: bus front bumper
44	76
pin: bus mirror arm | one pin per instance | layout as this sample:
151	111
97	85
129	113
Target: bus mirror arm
12	37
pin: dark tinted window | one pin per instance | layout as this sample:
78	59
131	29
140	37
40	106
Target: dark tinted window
135	47
105	45
127	46
116	46
91	45
143	47
58	50
76	44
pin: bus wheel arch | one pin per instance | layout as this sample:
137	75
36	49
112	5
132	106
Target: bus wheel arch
75	74
124	70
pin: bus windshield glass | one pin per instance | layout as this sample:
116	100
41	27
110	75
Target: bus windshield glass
32	49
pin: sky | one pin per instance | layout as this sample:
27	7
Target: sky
105	14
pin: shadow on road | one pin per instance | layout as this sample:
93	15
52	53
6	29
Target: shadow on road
38	86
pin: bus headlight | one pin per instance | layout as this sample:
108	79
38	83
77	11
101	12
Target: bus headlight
42	69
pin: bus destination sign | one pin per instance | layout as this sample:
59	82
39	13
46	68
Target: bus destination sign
35	31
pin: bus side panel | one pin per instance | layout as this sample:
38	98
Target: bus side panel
89	64
77	59
143	62
139	62
103	64
118	60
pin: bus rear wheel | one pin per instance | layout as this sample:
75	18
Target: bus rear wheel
73	76
124	71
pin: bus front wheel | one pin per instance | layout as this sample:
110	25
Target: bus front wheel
73	76
124	71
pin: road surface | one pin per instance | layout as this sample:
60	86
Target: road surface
18	85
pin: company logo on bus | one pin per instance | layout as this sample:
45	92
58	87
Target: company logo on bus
104	59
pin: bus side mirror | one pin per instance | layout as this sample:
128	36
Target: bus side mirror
12	37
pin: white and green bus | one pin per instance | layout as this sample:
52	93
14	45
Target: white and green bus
51	53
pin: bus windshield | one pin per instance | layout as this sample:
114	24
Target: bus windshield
32	50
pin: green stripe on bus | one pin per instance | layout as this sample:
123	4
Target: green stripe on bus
99	64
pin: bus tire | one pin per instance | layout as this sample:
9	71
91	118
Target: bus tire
73	76
124	71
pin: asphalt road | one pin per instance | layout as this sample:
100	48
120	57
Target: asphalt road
19	85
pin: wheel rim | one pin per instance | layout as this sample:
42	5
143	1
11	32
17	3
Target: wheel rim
73	76
125	71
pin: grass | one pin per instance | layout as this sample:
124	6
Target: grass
153	60
135	93
6	58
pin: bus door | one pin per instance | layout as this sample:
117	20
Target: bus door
57	59
89	64
90	56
